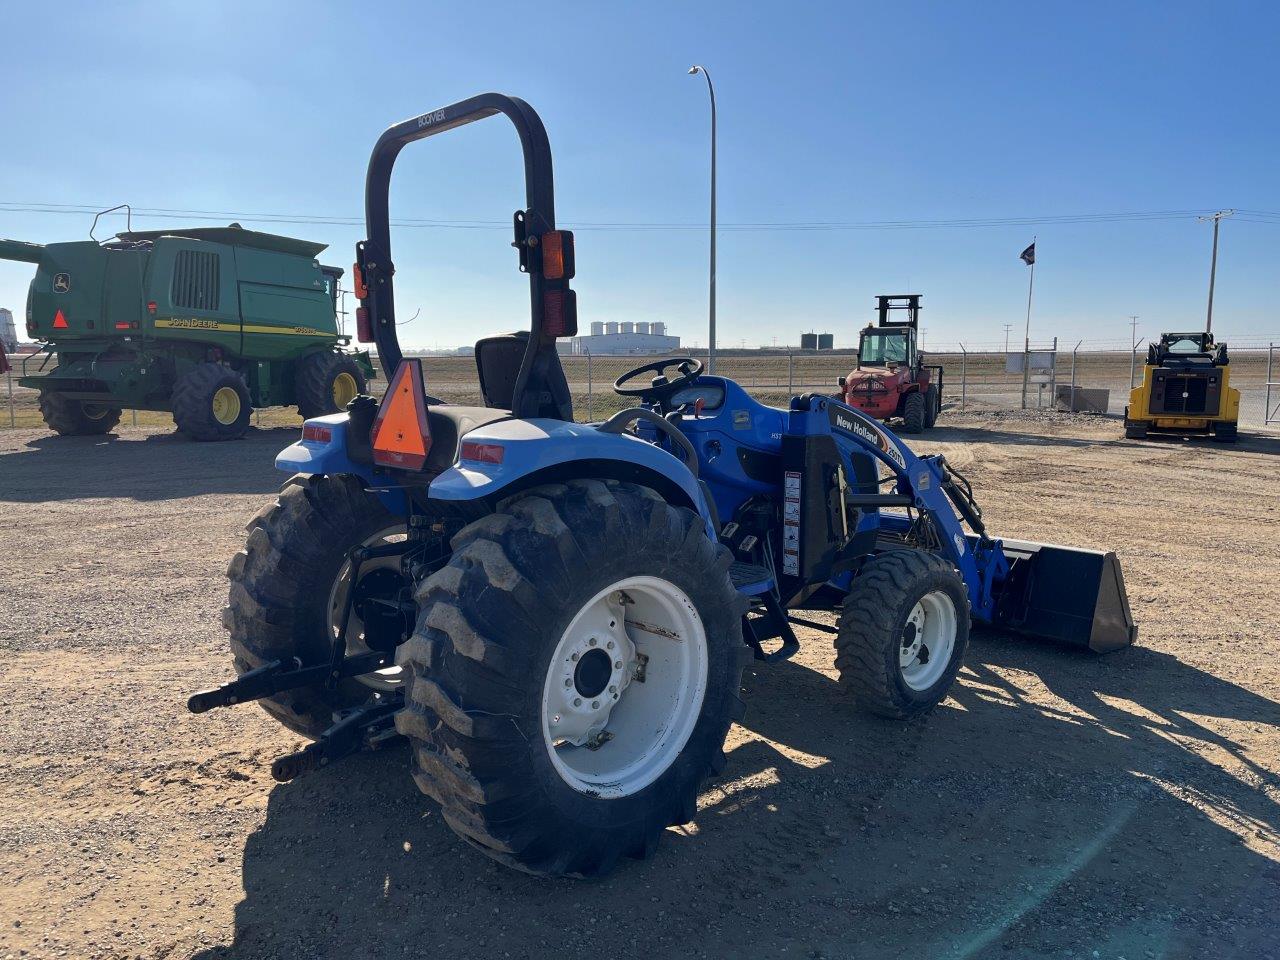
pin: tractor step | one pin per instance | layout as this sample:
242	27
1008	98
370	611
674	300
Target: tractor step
749	579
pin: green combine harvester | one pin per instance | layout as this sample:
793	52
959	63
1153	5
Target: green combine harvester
206	323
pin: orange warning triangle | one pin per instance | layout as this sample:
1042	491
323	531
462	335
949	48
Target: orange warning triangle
401	437
59	321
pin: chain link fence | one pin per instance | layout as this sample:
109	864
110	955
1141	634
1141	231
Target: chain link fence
973	380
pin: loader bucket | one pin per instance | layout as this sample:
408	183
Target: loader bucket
1066	595
21	251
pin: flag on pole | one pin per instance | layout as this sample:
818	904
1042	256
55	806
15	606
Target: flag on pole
1028	256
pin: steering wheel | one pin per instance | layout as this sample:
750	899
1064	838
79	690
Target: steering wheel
661	387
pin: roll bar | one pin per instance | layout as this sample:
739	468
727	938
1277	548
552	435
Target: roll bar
540	388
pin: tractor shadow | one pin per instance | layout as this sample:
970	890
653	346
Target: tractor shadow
1114	814
162	466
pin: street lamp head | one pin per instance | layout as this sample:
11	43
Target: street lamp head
694	69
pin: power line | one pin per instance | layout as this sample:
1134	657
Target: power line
300	219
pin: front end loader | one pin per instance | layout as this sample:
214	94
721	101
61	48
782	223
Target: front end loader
555	615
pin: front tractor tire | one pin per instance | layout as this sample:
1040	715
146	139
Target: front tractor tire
77	418
326	382
289	586
913	413
902	633
573	675
212	402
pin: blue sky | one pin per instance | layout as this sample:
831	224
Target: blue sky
828	112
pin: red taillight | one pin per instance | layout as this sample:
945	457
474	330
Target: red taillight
364	329
482	452
315	433
357	276
560	313
151	307
123	325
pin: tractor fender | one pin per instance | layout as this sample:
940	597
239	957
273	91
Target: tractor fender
537	451
328	456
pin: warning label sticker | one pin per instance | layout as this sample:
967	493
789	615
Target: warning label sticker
791	523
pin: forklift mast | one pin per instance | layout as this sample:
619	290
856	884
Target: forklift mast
546	254
889	305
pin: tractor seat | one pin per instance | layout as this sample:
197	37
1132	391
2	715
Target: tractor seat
448	424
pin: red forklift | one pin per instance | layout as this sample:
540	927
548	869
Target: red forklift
891	379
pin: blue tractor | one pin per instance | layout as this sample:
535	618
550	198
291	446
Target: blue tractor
556	615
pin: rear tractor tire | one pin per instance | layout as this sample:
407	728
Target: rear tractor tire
573	676
326	382
902	633
913	413
212	402
77	418
289	587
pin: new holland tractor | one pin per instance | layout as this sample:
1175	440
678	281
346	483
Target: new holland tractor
205	323
556	615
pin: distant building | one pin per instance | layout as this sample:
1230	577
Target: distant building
626	341
808	341
8	332
826	341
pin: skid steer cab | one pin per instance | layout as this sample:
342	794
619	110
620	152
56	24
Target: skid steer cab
555	615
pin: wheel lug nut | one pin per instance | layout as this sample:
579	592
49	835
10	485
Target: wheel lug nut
595	704
617	664
613	690
574	658
591	642
568	681
577	701
609	644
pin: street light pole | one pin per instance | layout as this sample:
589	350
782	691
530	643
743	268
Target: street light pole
1213	264
711	320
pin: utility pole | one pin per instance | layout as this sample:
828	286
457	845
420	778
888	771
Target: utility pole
711	322
1007	328
1133	348
1213	264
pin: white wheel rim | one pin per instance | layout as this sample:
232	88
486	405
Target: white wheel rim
388	678
612	735
928	639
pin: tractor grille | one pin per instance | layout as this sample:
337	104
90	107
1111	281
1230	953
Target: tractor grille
195	280
1188	394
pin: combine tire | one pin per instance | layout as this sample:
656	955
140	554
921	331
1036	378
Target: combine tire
75	418
212	403
902	633
326	383
1225	432
913	413
289	586
932	405
573	675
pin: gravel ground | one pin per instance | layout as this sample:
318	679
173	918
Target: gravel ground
1056	805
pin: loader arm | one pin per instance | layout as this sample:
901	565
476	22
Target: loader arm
1059	593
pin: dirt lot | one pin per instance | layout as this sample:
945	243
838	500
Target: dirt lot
1057	805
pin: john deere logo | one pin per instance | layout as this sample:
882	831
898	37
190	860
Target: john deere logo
62	283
